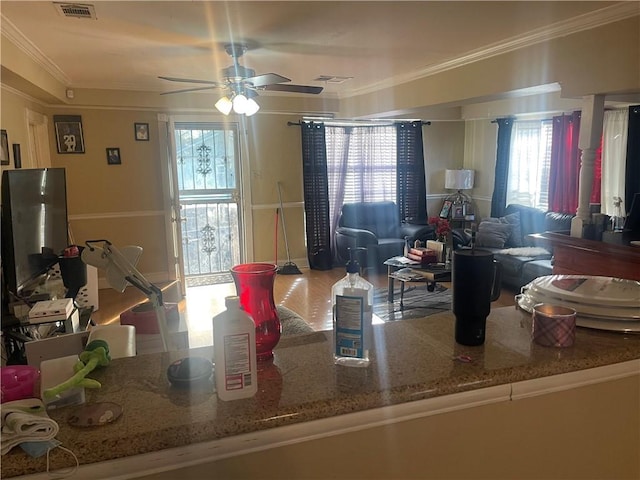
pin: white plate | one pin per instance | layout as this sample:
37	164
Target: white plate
613	313
526	303
589	290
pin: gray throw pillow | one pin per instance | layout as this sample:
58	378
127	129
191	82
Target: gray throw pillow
492	234
515	240
513	219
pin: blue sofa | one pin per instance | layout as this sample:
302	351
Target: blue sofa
507	238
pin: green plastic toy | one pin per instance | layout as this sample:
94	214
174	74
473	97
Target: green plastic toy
95	354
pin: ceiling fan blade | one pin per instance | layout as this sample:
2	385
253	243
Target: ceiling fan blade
195	89
189	80
266	79
286	87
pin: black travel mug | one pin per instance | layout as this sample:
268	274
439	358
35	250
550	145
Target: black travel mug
476	277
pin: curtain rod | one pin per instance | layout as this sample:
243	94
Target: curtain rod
291	124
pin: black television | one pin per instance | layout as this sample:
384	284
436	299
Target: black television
34	225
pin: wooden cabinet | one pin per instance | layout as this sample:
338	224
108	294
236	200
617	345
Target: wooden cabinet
578	256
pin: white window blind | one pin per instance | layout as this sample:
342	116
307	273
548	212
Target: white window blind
361	164
529	164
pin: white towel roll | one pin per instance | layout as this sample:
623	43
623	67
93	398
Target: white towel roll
25	421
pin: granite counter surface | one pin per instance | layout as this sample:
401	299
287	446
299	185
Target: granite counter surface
413	360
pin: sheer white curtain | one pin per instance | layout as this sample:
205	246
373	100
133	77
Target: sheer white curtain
361	166
529	163
614	154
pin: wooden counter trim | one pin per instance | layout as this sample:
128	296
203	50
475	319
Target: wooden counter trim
199	453
579	256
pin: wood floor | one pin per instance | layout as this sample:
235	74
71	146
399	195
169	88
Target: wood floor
308	294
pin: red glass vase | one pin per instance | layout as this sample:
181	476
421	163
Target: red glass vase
254	285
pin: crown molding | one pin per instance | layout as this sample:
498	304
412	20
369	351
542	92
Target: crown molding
587	21
15	36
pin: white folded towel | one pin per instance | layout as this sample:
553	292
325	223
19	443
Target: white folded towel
25	421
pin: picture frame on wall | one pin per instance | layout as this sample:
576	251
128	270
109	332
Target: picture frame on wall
4	148
141	131
113	156
69	137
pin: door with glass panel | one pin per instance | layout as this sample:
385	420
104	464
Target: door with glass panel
207	174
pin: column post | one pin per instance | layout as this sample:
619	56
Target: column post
588	141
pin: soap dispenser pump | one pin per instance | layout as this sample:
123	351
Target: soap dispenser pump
352	302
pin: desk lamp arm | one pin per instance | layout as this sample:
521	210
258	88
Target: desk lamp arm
110	258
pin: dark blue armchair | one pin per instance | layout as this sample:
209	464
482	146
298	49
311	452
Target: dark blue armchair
376	227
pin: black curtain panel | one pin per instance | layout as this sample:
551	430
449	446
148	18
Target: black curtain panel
316	195
411	185
632	176
499	197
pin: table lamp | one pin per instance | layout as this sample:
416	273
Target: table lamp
459	180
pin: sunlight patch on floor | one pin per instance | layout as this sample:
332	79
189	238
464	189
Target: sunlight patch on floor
203	303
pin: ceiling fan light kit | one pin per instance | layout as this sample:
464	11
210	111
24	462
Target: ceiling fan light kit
240	104
243	84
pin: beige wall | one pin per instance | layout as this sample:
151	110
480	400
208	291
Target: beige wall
443	149
274	151
601	60
13	118
585	432
121	203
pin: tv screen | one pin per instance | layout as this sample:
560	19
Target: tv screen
34	224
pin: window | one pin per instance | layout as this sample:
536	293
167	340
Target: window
361	164
207	160
529	164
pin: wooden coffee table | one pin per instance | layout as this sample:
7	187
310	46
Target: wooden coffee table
399	269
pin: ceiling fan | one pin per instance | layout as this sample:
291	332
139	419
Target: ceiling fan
242	84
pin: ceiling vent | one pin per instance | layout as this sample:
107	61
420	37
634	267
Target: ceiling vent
331	79
76	10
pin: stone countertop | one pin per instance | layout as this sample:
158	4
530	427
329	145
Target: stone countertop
412	360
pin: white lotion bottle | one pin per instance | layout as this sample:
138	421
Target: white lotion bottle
234	352
352	299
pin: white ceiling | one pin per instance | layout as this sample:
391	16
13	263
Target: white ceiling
377	43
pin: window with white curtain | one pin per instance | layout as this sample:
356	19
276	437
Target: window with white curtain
614	154
529	164
361	164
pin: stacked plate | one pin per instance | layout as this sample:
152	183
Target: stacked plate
603	303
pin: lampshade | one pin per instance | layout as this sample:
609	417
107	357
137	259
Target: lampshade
240	103
459	179
251	108
224	105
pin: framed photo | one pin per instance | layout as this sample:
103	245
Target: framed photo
458	211
4	148
113	156
446	209
69	137
142	132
